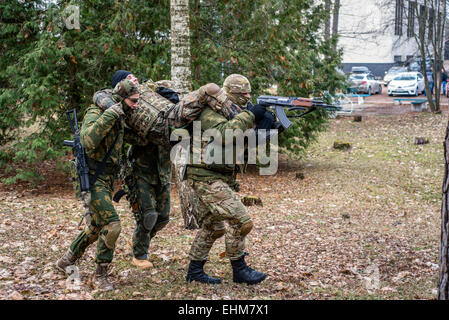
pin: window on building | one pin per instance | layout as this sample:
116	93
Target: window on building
397	59
411	19
398	18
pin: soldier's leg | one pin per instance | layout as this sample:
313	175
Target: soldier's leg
106	217
206	236
145	214
210	231
90	234
224	205
162	208
105	226
221	200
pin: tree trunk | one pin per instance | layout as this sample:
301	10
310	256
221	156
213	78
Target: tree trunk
335	20
336	13
443	279
327	26
180	46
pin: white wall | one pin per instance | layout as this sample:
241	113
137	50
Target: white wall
362	35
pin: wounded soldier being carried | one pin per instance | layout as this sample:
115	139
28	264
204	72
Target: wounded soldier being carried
156	114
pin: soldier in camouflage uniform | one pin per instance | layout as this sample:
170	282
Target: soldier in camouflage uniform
147	172
100	131
148	188
216	202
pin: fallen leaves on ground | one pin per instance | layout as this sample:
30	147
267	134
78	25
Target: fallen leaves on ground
372	210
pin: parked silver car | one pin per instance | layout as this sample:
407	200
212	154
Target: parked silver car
365	83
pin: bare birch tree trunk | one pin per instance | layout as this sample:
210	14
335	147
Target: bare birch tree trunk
335	20
336	13
180	46
327	25
443	279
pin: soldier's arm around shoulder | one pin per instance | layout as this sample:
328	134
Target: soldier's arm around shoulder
96	125
213	120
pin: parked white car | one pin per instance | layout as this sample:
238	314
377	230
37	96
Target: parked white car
408	83
393	72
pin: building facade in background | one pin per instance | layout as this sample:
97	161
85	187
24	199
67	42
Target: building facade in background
379	33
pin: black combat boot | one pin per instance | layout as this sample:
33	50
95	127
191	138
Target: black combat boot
196	273
244	274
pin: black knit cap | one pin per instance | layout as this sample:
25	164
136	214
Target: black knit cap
119	76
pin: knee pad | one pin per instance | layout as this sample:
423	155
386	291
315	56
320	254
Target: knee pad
92	233
149	219
110	233
246	228
218	234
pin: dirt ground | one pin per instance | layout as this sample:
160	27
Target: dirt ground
357	224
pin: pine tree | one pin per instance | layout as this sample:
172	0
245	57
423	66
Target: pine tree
63	67
272	42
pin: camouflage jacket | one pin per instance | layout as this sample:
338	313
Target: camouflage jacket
213	120
153	162
148	159
98	132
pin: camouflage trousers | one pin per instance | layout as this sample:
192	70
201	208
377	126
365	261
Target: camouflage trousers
105	224
218	204
149	197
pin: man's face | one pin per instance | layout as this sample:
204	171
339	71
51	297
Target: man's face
241	98
131	101
132	78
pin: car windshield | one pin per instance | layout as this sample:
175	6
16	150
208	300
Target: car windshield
357	77
405	78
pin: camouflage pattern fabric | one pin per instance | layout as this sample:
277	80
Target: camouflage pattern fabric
104	215
235	85
98	132
216	204
147	120
149	197
221	121
125	89
155	115
150	190
165	83
213	120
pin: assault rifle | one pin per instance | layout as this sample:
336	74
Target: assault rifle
79	168
279	104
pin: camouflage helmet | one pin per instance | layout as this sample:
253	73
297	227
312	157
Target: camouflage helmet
236	83
125	88
237	88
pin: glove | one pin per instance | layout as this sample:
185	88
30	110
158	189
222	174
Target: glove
266	122
259	111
